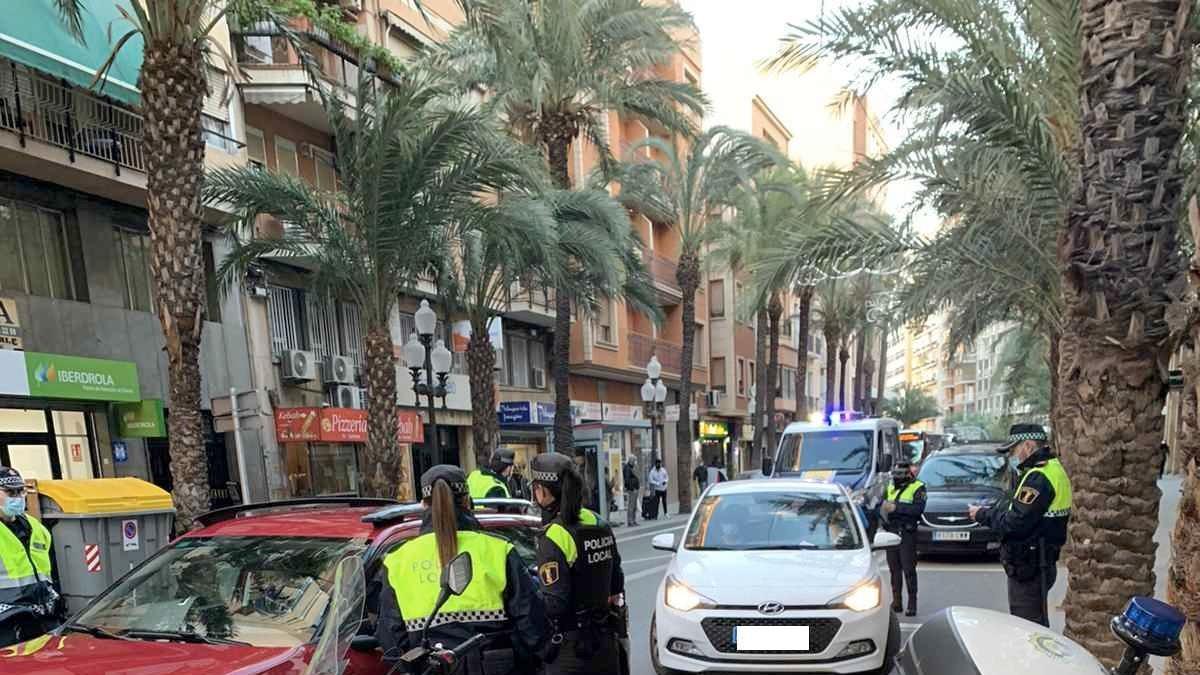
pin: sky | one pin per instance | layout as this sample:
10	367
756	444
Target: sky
736	35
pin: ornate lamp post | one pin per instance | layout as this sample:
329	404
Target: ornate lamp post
654	395
418	356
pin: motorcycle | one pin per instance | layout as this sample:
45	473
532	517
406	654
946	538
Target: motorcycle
972	641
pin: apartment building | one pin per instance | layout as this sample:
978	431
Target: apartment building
83	382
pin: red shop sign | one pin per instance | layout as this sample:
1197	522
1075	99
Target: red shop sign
297	425
331	425
409	427
343	425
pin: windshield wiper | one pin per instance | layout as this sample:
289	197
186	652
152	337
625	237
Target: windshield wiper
181	636
784	547
94	631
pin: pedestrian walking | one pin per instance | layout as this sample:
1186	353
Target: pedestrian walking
580	569
658	484
632	486
701	476
1033	523
901	511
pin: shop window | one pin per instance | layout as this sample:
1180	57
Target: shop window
716	374
134	250
334	469
716	298
74	445
38	251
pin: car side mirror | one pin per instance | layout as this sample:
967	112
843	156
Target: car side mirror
456	576
664	542
885	463
885	540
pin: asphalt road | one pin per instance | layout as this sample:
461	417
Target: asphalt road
943	582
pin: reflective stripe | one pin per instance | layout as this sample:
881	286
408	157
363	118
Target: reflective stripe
906	497
565	542
17	582
456	617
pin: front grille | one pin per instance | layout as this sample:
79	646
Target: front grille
948	520
820	633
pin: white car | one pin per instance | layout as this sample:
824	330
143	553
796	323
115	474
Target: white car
774	575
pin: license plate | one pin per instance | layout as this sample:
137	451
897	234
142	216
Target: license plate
951	536
770	638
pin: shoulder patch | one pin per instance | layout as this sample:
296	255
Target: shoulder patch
548	573
1028	494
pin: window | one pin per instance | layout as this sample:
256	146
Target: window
286	159
212	288
326	173
217	133
716	298
518	355
284	317
34	250
537	363
787	383
716	374
785	327
698	348
604	323
752	380
134	251
741	377
256	148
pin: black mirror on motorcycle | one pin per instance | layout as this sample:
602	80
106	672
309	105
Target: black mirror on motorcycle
457	575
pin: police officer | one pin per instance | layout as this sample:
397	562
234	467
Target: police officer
901	510
1032	524
491	481
500	599
25	575
580	570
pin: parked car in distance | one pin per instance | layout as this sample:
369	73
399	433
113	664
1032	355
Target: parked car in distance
245	593
774	575
955	478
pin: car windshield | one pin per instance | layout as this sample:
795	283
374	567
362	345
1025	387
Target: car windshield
267	592
965	471
836	450
773	520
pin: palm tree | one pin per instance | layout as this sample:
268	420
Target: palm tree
910	405
412	169
688	188
555	69
835	313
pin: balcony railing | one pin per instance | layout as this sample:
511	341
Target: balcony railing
262	44
663	270
52	111
642	347
534	297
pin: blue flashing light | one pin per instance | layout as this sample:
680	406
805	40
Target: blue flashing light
1154	619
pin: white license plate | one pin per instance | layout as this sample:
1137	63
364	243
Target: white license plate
951	536
771	638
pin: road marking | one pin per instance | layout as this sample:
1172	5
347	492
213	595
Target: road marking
648	534
909	626
642	560
645	573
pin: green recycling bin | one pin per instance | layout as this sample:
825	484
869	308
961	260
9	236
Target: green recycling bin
102	528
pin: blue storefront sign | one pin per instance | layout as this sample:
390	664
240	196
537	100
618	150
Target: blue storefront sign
515	413
545	414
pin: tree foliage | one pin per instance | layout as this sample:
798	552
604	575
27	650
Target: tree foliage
910	405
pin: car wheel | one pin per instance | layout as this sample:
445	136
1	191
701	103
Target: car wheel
891	649
658	667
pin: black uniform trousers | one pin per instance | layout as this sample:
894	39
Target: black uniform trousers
1027	597
902	563
602	657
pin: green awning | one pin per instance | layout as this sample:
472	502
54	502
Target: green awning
33	33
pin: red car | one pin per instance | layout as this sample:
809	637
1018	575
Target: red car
245	594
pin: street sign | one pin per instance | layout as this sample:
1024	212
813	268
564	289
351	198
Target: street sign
671	413
130	540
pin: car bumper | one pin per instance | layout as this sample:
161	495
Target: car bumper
980	540
684	644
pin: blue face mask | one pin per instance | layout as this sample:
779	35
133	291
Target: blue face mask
14	506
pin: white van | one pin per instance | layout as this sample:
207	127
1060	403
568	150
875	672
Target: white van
857	454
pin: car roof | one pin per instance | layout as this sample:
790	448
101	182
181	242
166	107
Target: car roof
870	424
973	448
774	485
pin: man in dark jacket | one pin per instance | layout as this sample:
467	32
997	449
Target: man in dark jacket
1032	524
632	485
901	511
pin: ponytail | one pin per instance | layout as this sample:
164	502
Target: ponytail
445	521
572	497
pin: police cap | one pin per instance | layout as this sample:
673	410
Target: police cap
549	468
10	479
502	458
452	475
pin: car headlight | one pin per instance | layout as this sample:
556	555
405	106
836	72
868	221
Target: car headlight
680	596
861	598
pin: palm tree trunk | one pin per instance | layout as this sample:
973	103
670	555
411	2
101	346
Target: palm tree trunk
386	472
1119	254
1183	581
774	312
1054	359
481	368
688	275
843	356
173	88
860	374
761	336
557	148
831	342
802	412
882	375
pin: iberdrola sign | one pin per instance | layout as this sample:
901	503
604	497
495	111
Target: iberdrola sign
59	376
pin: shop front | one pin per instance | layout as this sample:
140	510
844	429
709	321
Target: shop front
56	412
717	447
525	428
321	449
610	434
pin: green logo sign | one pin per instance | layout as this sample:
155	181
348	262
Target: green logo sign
57	376
143	419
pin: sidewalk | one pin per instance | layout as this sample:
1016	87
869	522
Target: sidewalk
1168	510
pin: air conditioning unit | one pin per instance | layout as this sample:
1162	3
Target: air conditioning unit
539	378
339	370
299	366
348	396
712	399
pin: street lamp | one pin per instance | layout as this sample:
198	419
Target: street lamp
436	361
654	394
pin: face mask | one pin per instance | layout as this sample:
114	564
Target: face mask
14	506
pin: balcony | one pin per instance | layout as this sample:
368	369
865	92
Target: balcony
662	270
642	347
531	305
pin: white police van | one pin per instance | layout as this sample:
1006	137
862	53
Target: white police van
857	453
